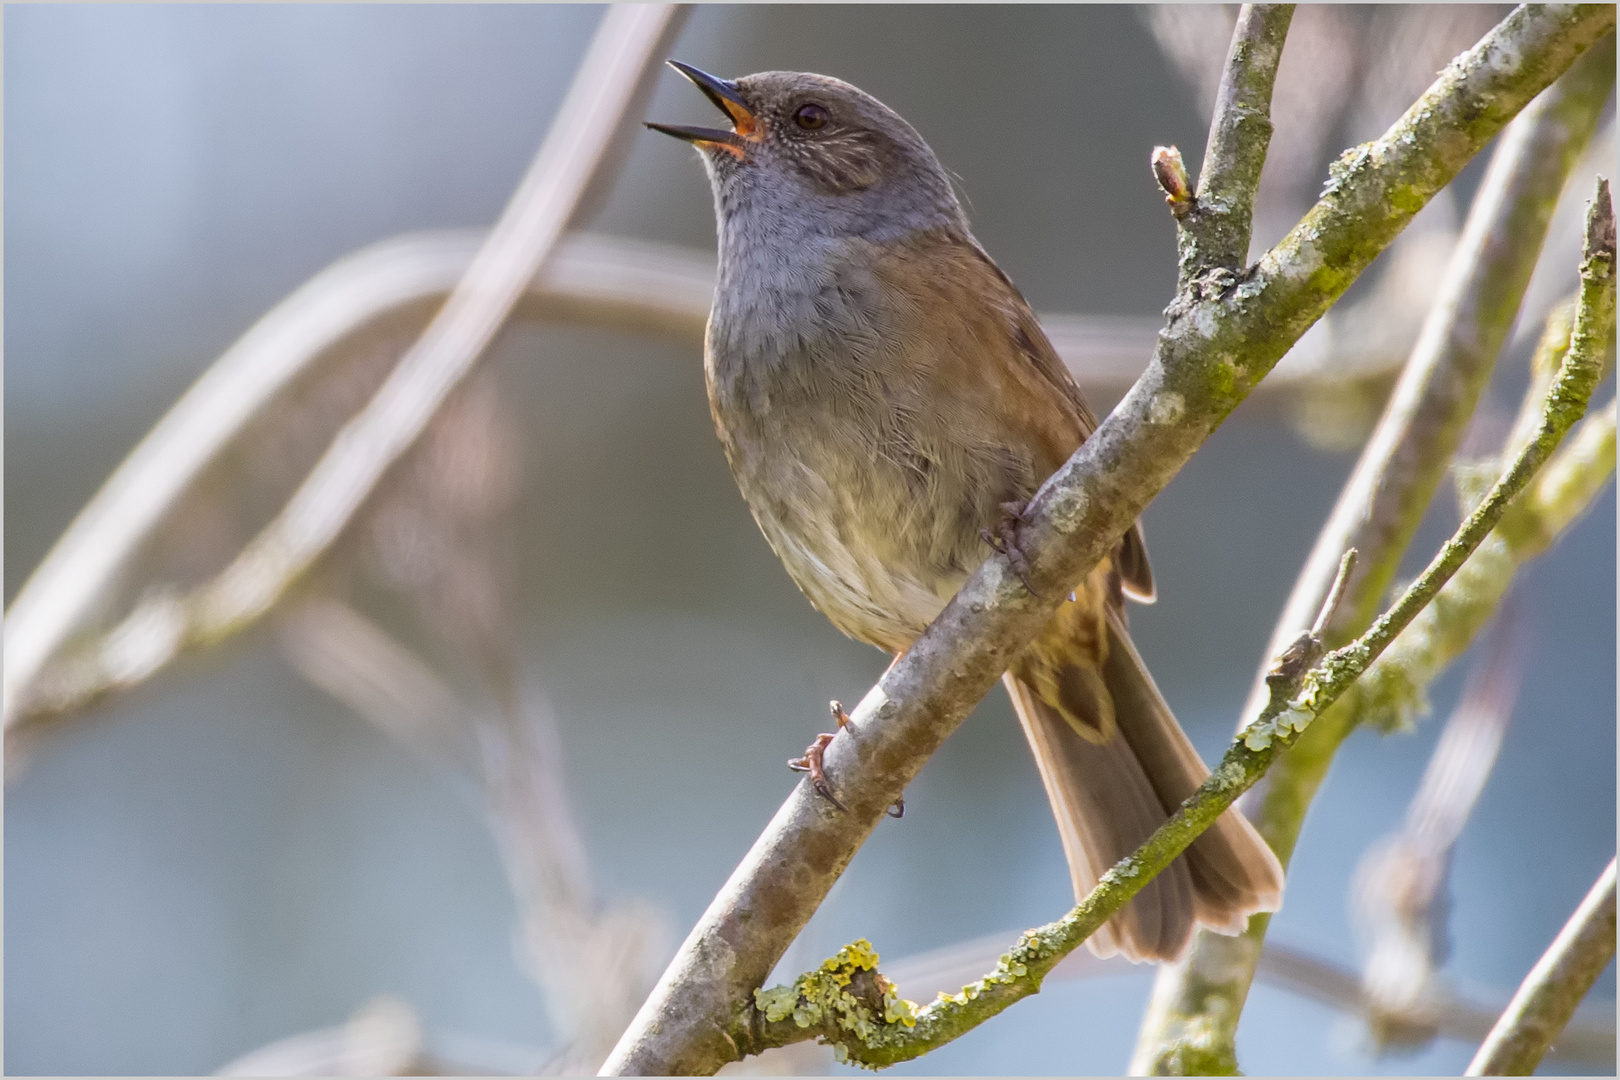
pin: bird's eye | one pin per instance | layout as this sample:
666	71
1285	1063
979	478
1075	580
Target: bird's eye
810	117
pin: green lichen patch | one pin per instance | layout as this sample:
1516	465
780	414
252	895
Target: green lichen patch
846	994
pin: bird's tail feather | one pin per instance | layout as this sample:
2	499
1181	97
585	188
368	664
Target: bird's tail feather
1109	797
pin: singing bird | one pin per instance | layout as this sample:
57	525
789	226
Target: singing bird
887	402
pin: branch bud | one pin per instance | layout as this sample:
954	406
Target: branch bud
1171	174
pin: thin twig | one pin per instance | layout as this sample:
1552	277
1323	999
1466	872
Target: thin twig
1382	503
1589	1038
613	77
1214	235
1335	596
1213	350
1548	996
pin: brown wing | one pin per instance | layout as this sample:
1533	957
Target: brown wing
1130	557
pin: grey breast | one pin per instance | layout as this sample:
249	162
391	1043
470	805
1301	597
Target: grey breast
819	426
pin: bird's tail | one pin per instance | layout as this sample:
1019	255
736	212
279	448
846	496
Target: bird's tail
1109	794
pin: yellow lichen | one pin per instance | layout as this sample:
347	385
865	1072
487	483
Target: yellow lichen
822	996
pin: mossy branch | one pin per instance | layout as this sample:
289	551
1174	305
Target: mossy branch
868	1020
1214	226
1393	693
1200	1000
1219	342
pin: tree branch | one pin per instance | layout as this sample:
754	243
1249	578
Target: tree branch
592	961
1211	353
846	1002
1382	503
613	77
590	279
1214	230
1393	692
1589	1038
1548	996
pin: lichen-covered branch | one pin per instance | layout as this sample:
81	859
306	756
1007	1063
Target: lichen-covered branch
1200	999
1215	347
1589	1039
1565	405
1548	996
847	1003
1214	227
1400	469
1393	692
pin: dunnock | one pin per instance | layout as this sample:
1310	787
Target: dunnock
887	402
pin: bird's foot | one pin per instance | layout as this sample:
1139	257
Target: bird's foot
1004	539
813	763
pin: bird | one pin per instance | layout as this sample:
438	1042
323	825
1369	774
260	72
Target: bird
888	404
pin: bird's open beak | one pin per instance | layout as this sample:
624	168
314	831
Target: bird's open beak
726	98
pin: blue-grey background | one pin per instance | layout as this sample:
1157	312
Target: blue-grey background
227	857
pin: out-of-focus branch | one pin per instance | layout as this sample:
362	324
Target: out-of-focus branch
1201	997
592	964
1214	233
384	1037
1212	351
636	285
613	78
1588	1040
1399	899
1548	996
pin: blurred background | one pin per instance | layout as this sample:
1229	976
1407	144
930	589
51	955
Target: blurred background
242	851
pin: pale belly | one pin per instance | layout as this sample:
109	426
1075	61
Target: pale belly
875	547
871	498
882	604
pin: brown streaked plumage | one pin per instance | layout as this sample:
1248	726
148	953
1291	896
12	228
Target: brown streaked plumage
882	392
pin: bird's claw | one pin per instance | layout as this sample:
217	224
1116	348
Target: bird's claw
812	764
840	717
1004	540
814	757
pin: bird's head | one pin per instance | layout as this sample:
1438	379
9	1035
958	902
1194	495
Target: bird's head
820	150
